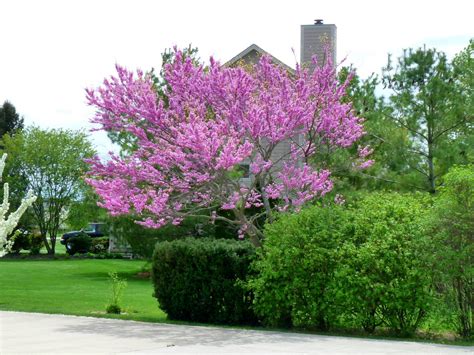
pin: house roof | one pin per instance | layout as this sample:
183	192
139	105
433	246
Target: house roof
248	52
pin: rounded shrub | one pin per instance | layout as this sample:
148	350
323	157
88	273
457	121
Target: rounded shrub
201	280
25	240
294	283
385	277
36	243
21	241
79	244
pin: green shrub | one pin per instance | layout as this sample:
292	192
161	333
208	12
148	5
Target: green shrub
199	280
25	240
452	228
295	285
385	277
99	245
36	243
79	244
21	241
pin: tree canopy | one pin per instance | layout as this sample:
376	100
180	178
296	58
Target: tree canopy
10	120
51	164
427	101
193	151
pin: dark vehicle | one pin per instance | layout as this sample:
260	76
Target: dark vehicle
95	230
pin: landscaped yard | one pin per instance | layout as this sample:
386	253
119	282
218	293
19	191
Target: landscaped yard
79	287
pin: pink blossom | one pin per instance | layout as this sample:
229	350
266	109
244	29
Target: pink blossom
215	120
366	164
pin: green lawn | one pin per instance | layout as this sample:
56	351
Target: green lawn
79	287
82	287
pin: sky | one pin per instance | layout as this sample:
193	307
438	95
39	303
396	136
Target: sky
52	50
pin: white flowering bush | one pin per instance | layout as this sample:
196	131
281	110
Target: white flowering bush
7	224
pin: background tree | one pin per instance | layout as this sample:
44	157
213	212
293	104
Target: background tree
190	151
463	67
387	142
428	104
51	164
84	209
10	120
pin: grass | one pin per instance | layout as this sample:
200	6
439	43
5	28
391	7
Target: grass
77	287
82	287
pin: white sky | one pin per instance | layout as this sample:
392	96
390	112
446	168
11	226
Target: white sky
51	50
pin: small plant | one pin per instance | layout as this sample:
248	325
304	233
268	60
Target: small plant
118	285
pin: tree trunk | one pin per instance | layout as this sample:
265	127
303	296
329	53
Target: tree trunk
431	172
254	239
46	244
53	245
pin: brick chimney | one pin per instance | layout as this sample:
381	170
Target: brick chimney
313	40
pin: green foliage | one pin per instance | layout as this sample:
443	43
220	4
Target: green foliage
117	287
388	141
21	241
428	102
10	120
361	266
25	240
452	228
84	210
199	280
80	244
463	67
99	245
371	107
295	285
385	275
420	130
36	243
142	240
51	163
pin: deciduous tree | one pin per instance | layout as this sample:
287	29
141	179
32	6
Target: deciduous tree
51	164
191	150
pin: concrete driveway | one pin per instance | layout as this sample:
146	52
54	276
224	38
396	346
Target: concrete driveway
58	334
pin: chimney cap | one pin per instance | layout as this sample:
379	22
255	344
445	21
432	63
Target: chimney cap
318	21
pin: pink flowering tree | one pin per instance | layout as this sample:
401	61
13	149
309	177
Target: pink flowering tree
217	122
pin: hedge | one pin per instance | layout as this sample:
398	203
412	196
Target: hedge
201	280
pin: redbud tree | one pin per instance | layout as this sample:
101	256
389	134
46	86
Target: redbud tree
215	121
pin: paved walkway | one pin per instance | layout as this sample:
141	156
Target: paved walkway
58	334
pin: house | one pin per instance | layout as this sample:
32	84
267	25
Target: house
313	41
